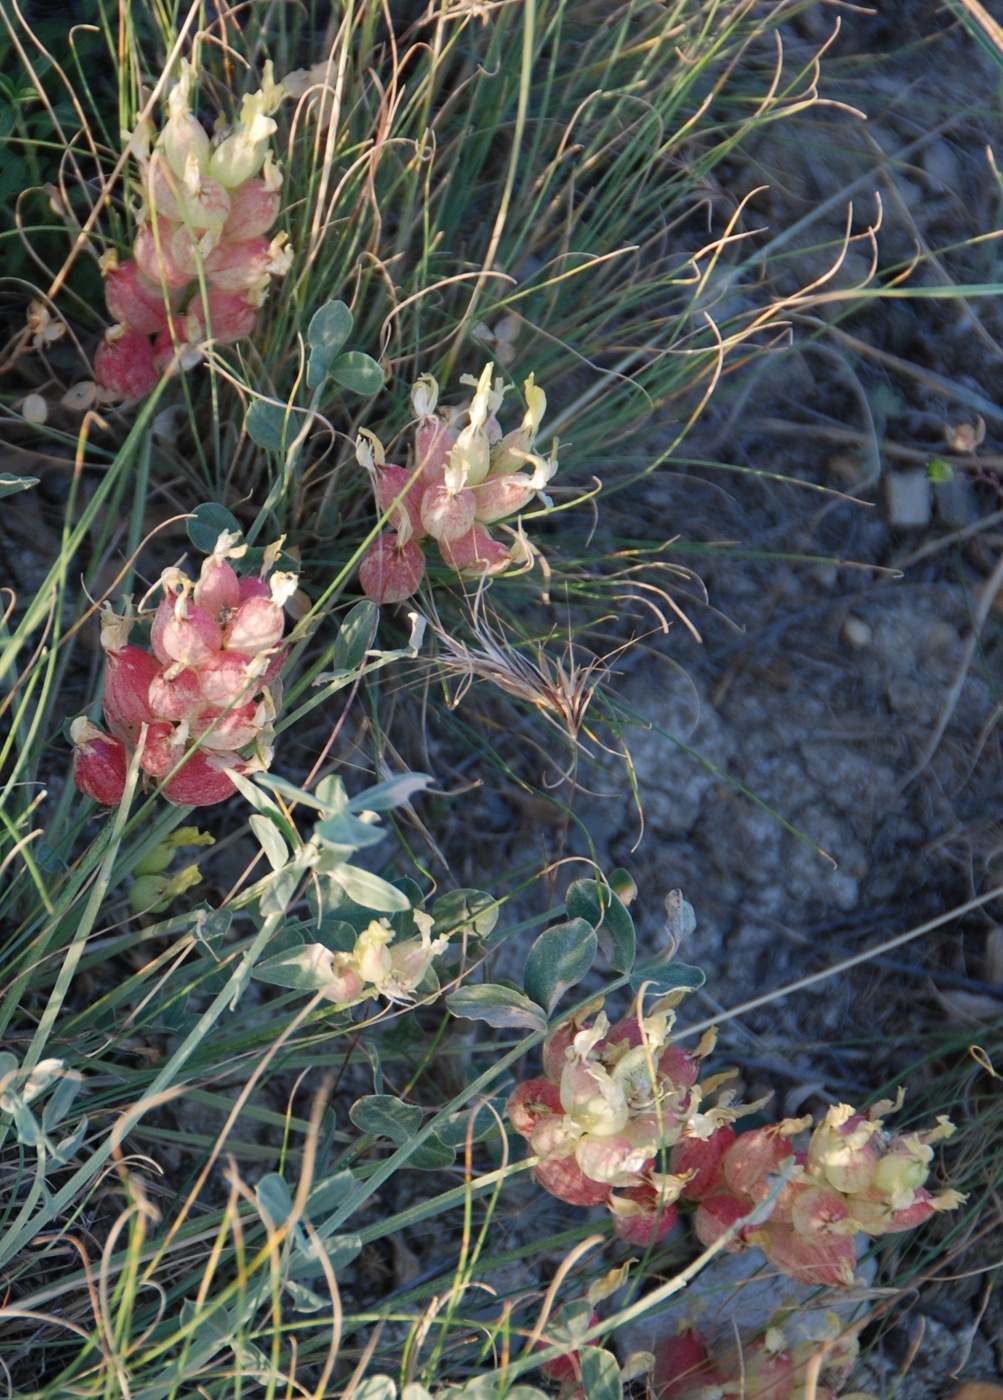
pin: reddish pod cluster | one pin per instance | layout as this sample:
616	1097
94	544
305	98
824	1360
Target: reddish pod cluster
201	703
611	1099
775	1366
202	261
467	477
852	1178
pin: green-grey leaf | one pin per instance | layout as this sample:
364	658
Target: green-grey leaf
274	1199
432	1155
600	1374
503	1007
345	830
559	959
475	910
370	890
270	425
280	890
666	977
209	521
620	927
383	796
385	1116
274	847
358	373
330	327
355	636
9	483
584	901
305	969
375	1388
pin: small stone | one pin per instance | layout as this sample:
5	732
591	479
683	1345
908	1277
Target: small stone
907	498
955	502
857	633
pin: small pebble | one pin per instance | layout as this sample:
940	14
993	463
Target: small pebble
857	633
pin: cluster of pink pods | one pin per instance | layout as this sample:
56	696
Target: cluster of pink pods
852	1178
201	703
598	1119
771	1367
612	1098
467	476
202	261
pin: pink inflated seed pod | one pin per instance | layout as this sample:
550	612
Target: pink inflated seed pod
225	317
433	443
476	553
396	490
701	1157
683	1367
446	514
100	763
253	210
227	729
236	267
191	636
257	625
752	1157
646	1226
530	1101
177	698
161	752
152	251
564	1178
218	588
124	365
174	344
828	1260
200	783
134	301
716	1215
391	571
229	677
501	496
129	672
254	587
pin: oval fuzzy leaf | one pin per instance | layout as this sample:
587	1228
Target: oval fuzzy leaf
270	425
432	1155
358	373
584	901
474	910
355	636
666	977
303	969
274	1199
208	523
503	1007
559	959
600	1374
330	327
272	843
620	927
392	793
384	1116
370	890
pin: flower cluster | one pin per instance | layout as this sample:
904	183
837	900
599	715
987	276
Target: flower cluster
467	477
376	965
853	1178
611	1099
202	261
783	1364
200	704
